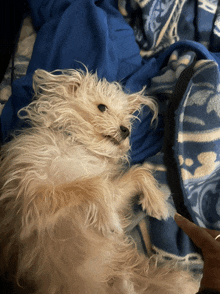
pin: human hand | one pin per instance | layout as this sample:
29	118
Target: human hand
205	240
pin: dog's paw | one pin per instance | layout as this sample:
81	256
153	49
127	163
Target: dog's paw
155	205
108	229
107	222
152	199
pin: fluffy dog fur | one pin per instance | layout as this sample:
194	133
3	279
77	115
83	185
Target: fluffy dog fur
66	193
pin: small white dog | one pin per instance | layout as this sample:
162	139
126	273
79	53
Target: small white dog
66	193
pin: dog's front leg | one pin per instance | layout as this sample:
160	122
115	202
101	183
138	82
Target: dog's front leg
138	180
123	285
94	194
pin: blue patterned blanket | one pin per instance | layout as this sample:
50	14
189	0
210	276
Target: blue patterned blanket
179	62
187	88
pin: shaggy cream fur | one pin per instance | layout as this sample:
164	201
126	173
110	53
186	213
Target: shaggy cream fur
66	193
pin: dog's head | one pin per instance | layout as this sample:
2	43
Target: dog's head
92	112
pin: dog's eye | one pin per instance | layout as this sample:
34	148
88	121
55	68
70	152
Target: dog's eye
102	107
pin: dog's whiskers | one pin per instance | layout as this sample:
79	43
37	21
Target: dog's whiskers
112	139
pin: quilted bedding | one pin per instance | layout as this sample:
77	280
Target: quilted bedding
173	48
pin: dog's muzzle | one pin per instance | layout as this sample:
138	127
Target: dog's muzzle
124	132
121	135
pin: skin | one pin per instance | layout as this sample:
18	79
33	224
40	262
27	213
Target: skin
205	240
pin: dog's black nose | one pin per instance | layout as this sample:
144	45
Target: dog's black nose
124	132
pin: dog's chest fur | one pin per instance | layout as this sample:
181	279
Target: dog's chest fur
77	163
57	161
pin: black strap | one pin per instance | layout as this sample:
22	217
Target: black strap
173	176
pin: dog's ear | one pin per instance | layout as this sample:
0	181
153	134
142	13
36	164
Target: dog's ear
72	87
58	82
138	100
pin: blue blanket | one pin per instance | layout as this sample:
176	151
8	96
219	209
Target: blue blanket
167	33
